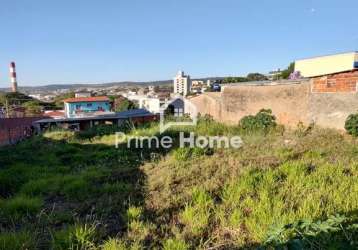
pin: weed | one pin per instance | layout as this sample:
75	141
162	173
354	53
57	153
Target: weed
134	213
83	237
196	214
113	244
174	244
336	232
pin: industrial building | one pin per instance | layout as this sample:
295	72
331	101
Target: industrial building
326	65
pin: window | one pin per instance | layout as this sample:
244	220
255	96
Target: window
78	106
89	105
178	112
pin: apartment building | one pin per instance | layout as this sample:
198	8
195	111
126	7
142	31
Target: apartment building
182	84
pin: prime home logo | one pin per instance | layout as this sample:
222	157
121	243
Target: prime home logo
179	112
179	107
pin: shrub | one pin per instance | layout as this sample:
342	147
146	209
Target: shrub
262	121
336	232
351	124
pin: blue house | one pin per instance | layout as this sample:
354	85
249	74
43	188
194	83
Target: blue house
86	106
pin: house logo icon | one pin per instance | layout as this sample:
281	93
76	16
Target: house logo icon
178	108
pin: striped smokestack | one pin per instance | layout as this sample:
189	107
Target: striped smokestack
13	77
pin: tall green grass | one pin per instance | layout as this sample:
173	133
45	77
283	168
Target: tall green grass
62	191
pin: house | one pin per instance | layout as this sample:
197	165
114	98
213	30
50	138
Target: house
86	106
83	94
136	116
331	74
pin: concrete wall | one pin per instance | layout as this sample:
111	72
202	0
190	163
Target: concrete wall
291	103
332	109
208	103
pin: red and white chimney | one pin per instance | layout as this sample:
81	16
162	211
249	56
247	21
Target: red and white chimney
13	77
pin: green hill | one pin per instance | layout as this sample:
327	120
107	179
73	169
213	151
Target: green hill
283	188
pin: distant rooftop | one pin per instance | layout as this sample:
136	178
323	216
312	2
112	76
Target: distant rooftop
268	83
87	99
119	115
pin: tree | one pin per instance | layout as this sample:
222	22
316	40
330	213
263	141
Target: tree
256	77
122	104
285	74
59	99
234	79
33	107
14	98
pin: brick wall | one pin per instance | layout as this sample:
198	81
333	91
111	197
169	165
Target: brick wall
13	130
342	82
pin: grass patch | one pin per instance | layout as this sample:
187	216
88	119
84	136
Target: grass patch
17	240
20	206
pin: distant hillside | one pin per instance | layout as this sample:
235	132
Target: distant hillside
52	87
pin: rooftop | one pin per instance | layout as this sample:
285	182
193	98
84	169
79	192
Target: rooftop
119	115
87	99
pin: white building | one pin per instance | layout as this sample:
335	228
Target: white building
152	104
83	94
182	84
197	83
326	65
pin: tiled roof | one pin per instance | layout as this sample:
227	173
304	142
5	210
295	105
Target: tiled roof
87	99
55	113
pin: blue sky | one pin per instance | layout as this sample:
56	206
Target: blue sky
92	41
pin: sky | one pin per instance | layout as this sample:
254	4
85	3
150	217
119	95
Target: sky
92	41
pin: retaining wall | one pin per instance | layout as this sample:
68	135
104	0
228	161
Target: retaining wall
291	102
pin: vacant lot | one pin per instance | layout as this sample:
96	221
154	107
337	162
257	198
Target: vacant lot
282	188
